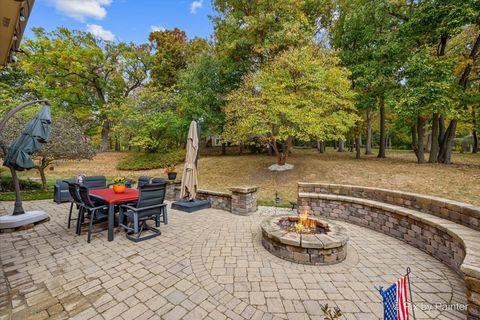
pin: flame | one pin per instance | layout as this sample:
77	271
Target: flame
305	223
303	218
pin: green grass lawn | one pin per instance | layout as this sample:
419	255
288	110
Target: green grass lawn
28	195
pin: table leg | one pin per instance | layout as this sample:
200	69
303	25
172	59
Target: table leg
111	218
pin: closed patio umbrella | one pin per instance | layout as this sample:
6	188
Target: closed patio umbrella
18	156
188	189
36	133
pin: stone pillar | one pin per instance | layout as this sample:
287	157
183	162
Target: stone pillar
244	200
171	190
473	295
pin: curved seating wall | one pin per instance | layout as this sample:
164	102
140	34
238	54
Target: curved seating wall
453	243
463	213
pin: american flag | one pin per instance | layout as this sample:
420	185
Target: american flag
395	300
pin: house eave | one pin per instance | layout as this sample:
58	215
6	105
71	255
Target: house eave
12	26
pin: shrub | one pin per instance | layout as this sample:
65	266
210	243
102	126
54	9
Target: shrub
6	184
147	161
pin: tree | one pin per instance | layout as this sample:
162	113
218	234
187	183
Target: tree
429	89
302	94
249	33
365	32
170	55
433	26
199	93
85	75
67	142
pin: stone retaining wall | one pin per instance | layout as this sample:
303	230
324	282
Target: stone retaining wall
440	234
219	200
439	243
241	200
465	214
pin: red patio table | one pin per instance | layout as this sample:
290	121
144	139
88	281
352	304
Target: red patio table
112	199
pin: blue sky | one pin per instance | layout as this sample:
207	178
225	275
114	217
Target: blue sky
124	20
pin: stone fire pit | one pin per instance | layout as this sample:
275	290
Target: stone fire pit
318	243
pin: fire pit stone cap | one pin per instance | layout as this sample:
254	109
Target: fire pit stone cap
330	242
311	241
269	227
291	238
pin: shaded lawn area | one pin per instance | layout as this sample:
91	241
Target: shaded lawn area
459	181
28	195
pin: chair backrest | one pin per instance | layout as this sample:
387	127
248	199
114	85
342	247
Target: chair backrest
151	195
158	181
73	189
143	180
85	196
95	182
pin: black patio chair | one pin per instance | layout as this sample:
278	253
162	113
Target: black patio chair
95	182
143	180
164	216
95	213
76	201
150	206
158	181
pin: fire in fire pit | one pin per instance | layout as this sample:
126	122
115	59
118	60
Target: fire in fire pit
303	224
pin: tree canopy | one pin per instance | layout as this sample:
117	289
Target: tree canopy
301	94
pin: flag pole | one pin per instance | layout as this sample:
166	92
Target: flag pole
410	290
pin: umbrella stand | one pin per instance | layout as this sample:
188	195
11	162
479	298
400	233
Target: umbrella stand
9	221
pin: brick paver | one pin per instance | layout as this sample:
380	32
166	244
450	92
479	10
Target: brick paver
205	265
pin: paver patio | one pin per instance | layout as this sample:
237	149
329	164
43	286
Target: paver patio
210	264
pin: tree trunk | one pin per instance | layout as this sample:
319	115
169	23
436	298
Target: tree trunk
418	144
224	149
381	151
41	170
368	144
286	150
282	155
341	144
434	147
441	129
475	141
428	143
413	132
358	141
321	146
117	144
445	152
351	143
474	131
105	133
